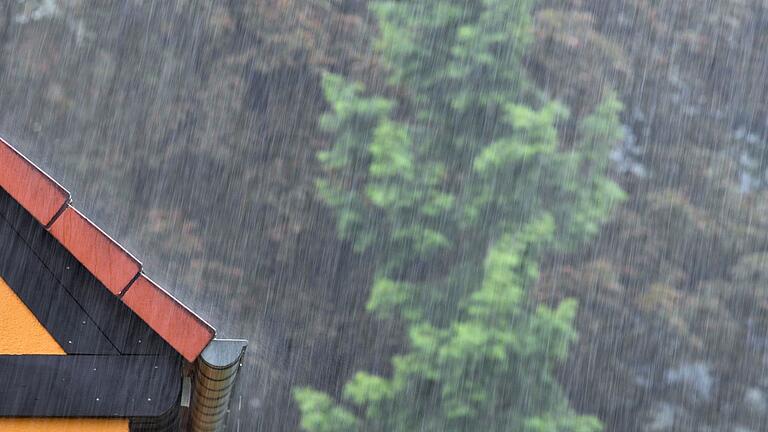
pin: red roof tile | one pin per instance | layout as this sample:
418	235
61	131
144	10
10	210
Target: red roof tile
30	186
103	257
109	262
169	318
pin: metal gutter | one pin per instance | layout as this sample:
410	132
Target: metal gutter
217	369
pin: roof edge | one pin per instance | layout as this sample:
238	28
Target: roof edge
119	271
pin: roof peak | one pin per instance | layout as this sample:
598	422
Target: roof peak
120	272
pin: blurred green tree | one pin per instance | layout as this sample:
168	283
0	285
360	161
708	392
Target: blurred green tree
454	178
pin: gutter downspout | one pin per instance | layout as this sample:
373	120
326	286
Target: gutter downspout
217	369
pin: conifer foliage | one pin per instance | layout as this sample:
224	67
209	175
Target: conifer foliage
455	179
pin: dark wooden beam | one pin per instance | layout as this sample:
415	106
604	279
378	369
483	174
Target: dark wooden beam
89	385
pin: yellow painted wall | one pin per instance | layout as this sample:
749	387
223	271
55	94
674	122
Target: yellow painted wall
22	333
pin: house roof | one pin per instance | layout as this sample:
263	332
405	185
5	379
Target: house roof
117	271
113	364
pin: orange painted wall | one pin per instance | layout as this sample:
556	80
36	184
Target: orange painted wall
63	425
21	333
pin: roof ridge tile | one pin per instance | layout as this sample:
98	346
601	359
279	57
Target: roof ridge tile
30	186
106	259
169	317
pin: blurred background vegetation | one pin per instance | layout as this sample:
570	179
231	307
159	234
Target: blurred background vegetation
341	182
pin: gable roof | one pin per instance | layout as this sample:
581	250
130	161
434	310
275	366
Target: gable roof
116	270
114	364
